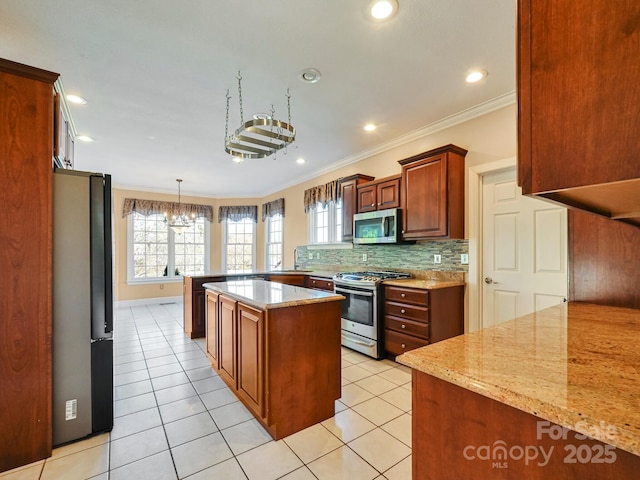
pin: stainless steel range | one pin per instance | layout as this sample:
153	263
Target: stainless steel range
361	325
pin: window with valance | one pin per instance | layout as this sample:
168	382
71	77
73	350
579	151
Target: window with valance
273	208
156	207
236	213
322	194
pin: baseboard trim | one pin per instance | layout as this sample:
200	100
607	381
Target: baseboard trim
147	301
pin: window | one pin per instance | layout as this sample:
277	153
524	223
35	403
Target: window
239	245
273	226
325	223
156	252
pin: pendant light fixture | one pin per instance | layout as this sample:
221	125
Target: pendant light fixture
179	221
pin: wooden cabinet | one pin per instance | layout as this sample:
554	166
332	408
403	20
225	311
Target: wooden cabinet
578	115
213	327
319	283
283	363
349	195
298	280
26	189
432	194
416	317
379	195
194	304
251	357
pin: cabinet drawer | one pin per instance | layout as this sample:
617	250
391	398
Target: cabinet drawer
412	312
398	343
408	327
321	283
407	295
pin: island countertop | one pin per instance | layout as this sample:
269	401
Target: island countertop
576	365
268	295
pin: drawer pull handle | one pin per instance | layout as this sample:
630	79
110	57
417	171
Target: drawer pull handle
402	311
403	295
404	326
404	346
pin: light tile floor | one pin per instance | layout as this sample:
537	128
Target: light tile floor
175	418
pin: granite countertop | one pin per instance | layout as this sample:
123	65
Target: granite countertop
577	365
269	295
312	273
424	284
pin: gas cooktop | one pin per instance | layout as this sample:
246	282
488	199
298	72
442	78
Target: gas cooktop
368	277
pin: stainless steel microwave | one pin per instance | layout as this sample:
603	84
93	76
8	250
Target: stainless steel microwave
382	226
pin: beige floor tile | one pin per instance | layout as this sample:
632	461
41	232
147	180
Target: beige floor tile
136	422
344	381
355	373
380	449
270	461
26	472
353	394
138	446
396	375
79	446
191	457
227	470
340	406
376	385
377	411
375	366
312	443
156	467
80	465
401	471
342	464
348	425
346	362
398	397
189	428
230	415
245	436
300	474
400	428
355	357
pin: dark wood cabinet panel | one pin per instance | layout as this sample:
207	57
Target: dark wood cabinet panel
432	194
297	280
578	116
348	193
319	283
251	357
379	195
194	309
26	188
228	339
213	327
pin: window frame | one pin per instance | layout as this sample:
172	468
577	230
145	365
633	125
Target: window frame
173	278
334	224
268	226
225	232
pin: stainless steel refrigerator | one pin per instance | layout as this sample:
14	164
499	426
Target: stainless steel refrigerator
82	305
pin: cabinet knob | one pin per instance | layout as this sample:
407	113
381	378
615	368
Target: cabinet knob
403	346
379	204
373	204
402	311
404	326
403	295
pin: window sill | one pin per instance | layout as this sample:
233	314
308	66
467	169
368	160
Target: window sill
330	246
154	281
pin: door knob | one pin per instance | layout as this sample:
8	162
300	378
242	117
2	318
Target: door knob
489	281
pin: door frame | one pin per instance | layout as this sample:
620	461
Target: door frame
475	178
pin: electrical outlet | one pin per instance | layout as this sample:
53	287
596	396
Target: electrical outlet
437	258
161	286
364	257
317	255
464	259
310	255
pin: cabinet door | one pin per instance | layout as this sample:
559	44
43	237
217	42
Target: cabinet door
198	320
425	184
228	339
349	196
213	328
367	201
296	280
388	194
251	357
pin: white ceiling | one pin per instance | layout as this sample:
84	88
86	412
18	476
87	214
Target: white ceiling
155	73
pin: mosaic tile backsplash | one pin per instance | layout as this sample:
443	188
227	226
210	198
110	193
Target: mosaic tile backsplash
418	256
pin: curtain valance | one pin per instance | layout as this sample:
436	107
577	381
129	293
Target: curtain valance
153	207
275	207
323	194
238	212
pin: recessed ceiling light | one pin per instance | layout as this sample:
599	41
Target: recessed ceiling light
383	9
237	159
300	161
85	138
76	99
370	127
309	75
476	76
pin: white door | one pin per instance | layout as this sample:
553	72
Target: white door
525	251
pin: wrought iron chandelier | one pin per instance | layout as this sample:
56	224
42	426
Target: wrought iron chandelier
260	137
179	221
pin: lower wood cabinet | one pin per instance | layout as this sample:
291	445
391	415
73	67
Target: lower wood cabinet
194	304
283	363
319	283
415	317
297	280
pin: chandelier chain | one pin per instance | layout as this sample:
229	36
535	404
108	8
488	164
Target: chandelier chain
240	97
226	123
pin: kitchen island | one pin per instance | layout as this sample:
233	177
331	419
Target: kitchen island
277	347
553	394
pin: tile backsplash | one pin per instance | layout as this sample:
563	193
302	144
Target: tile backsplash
418	256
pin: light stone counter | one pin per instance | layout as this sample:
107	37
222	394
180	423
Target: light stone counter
268	295
577	365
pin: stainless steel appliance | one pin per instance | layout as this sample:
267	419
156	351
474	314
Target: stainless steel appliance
382	226
361	325
82	305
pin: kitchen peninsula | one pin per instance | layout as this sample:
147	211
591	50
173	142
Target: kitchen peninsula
277	346
552	394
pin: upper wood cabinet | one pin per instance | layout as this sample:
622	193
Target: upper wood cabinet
578	97
348	193
432	194
379	195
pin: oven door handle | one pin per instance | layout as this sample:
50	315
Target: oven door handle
359	342
353	292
